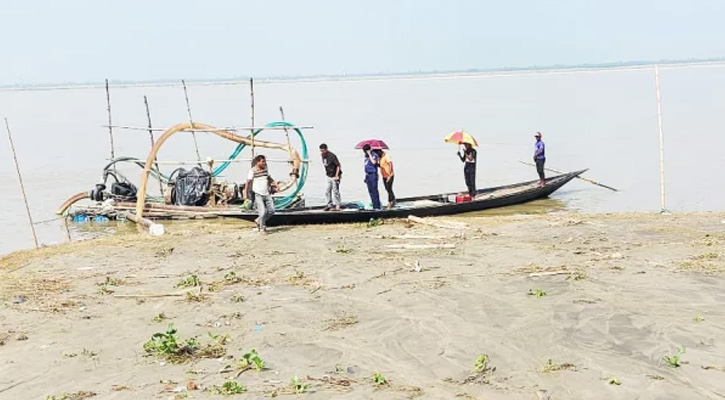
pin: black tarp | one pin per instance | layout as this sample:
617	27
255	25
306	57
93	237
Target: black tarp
192	187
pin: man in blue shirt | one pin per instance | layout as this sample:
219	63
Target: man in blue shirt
540	158
371	175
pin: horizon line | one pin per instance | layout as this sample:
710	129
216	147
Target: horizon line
375	76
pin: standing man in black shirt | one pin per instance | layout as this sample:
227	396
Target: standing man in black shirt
333	170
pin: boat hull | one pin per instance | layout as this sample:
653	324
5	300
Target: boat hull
435	205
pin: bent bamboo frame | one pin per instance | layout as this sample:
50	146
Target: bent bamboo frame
71	201
189	126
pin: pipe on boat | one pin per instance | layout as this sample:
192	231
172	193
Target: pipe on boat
66	205
191	126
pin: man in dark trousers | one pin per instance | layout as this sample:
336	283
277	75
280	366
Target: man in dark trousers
469	167
540	158
372	162
333	170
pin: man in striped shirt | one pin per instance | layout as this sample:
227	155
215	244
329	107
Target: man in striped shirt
260	183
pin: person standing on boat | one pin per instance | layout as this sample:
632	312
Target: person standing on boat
260	182
540	158
469	167
333	170
386	170
372	162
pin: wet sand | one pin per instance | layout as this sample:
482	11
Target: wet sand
335	304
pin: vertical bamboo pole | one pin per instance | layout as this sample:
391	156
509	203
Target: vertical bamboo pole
286	131
251	92
22	186
188	109
662	140
153	142
110	124
67	229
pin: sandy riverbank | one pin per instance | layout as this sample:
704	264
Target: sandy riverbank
335	304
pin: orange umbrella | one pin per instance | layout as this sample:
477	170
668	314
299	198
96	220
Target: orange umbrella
461	137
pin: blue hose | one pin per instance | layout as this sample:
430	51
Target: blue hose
283	202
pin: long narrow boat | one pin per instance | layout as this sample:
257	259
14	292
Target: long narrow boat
421	206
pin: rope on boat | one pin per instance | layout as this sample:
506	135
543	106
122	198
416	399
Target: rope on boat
283	202
280	203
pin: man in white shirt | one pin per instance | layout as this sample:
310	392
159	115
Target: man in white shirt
260	182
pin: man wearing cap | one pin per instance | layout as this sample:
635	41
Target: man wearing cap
540	158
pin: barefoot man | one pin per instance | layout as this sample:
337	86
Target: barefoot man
540	158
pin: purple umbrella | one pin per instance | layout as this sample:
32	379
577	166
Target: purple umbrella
374	144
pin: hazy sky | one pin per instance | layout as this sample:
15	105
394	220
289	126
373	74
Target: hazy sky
89	40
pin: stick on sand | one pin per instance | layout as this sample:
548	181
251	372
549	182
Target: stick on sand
444	225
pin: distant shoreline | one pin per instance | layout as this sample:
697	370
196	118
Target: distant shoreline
410	75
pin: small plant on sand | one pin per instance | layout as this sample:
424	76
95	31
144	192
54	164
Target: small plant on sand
214	287
88	353
613	380
298	277
111	282
343	250
374	222
675	360
578	276
160	317
230	388
379	379
105	290
71	396
222	339
707	256
193	296
251	360
231	278
298	387
481	370
551	366
538	293
699	318
481	367
189	281
169	346
237	298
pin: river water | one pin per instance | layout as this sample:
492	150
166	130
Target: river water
603	120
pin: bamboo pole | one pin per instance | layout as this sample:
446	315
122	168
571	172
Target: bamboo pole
663	209
154	228
151	136
579	177
191	123
67	229
22	186
189	162
251	93
286	131
110	124
141	195
227	128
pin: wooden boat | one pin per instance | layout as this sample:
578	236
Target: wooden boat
421	206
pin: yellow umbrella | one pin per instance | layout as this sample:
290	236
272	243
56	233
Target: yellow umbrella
461	137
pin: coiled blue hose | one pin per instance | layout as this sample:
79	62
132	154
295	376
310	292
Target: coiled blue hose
283	202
